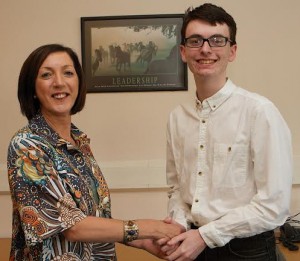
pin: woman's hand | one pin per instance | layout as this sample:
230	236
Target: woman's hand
166	248
158	229
150	246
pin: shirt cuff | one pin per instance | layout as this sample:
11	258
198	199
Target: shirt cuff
180	218
210	236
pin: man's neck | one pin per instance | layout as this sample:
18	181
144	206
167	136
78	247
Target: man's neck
208	87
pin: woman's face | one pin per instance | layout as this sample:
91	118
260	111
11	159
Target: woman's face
56	85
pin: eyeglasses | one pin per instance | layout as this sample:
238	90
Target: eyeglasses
197	41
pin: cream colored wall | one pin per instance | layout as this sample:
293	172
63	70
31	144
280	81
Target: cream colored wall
128	129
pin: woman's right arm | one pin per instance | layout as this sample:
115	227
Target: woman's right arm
95	229
39	193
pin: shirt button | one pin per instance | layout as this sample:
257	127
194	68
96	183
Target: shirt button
229	149
201	146
203	121
196	200
200	173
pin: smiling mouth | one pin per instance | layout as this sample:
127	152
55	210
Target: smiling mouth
206	61
59	95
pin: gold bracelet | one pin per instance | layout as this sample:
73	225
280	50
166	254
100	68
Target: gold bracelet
131	231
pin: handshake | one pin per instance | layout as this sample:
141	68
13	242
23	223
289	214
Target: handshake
168	240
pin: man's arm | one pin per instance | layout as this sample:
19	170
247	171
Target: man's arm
176	206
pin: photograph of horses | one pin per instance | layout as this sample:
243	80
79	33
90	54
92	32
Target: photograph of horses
133	53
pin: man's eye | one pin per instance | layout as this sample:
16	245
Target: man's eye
195	40
217	39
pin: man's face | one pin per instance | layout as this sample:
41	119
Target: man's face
207	61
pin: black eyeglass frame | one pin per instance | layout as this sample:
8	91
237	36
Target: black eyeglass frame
207	40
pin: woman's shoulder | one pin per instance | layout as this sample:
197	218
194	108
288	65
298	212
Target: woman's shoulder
25	137
21	133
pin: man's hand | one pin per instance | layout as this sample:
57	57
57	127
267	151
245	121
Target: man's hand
191	245
150	246
166	248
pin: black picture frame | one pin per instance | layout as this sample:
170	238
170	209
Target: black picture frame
133	53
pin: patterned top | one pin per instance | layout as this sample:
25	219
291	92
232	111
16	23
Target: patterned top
53	186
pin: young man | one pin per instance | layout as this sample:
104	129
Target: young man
229	154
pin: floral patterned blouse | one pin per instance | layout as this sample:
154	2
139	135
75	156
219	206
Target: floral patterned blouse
53	186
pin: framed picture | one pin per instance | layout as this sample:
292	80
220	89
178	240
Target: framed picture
133	53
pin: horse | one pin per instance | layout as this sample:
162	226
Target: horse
167	65
104	54
146	53
97	61
112	54
122	59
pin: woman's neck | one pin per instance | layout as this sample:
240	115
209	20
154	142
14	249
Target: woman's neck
61	125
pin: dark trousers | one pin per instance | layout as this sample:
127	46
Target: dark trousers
261	247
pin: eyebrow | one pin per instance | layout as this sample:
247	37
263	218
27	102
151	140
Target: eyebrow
198	35
64	66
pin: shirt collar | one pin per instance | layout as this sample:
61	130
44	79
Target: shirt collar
218	98
39	126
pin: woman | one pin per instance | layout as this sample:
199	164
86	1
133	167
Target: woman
61	202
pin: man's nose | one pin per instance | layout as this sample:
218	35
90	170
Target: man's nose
206	47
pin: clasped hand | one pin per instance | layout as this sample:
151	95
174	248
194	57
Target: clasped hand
183	247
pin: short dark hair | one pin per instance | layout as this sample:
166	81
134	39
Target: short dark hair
212	14
29	105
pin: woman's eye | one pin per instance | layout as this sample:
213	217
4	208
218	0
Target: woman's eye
69	73
46	75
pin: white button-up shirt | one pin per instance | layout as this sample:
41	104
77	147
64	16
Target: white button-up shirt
229	165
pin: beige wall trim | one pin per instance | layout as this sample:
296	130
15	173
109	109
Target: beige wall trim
135	175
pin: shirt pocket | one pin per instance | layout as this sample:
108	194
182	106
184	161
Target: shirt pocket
230	165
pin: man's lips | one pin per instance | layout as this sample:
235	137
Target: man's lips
206	61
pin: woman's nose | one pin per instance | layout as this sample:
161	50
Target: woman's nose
58	79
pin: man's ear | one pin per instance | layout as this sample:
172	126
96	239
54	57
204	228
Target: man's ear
232	55
182	52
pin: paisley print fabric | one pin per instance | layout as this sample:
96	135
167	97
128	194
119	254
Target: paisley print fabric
53	186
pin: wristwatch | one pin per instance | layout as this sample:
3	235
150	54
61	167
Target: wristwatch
131	231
